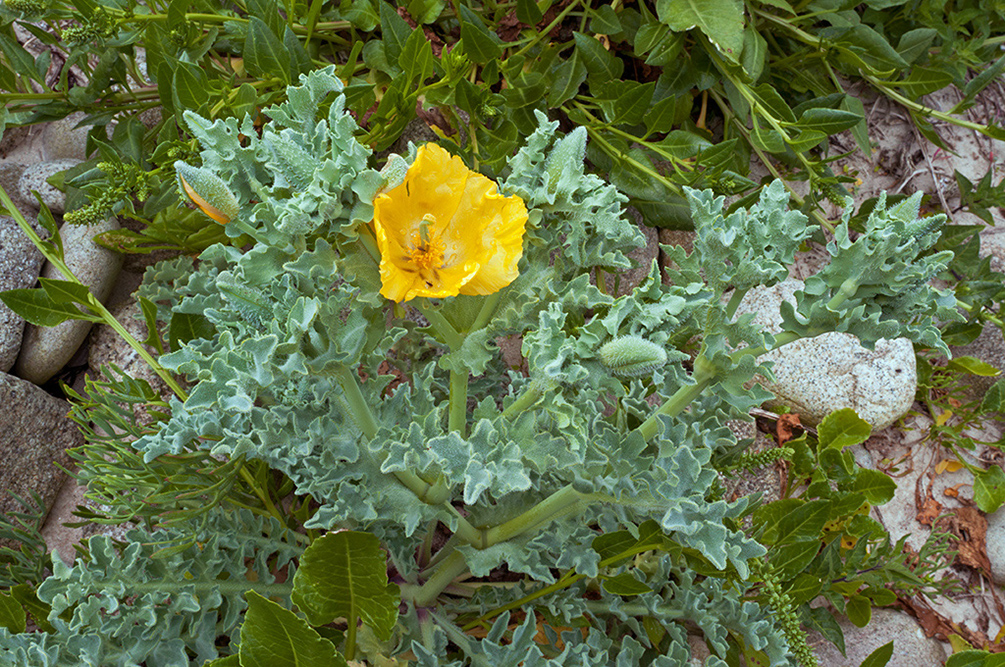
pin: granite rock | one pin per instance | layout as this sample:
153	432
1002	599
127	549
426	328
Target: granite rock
911	648
20	263
34	179
35	436
46	350
989	347
10	176
816	376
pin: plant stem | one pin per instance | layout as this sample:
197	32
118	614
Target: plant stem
350	636
734	302
440	324
458	415
359	409
489	305
681	399
262	495
529	397
561	502
445	573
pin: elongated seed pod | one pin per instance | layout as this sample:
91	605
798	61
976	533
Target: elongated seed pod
632	356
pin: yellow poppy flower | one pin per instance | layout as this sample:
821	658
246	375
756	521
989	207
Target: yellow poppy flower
446	230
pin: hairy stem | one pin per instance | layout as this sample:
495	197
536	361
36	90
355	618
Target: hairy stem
529	397
452	567
458	415
563	501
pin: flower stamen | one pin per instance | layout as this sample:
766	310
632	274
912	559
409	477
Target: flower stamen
427	253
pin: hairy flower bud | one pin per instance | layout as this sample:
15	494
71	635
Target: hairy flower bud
632	356
208	192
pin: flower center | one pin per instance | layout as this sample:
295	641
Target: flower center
427	252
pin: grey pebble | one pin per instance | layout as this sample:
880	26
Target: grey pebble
63	140
34	179
46	350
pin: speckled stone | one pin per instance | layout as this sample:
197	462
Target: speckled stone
10	175
20	263
911	648
35	435
63	140
34	178
817	376
46	350
989	347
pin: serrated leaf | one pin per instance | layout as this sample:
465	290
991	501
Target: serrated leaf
264	55
480	45
880	657
994	397
843	428
272	636
625	584
989	489
719	20
345	574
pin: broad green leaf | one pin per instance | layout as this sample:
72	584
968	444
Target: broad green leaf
860	131
843	428
567	78
20	60
668	112
984	79
880	657
922	81
791	559
39	610
425	11
828	121
481	45
396	32
264	55
913	44
300	60
625	584
631	103
149	309
973	367
804	588
870	50
989	489
64	291
345	574
188	326
37	307
268	12
972	658
617	547
602	65
528	12
859	610
876	486
229	661
804	522
416	58
771	103
755	53
272	636
604	21
719	20
766	138
994	397
362	14
12	614
189	87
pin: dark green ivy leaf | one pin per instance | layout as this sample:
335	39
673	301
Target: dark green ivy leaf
273	636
